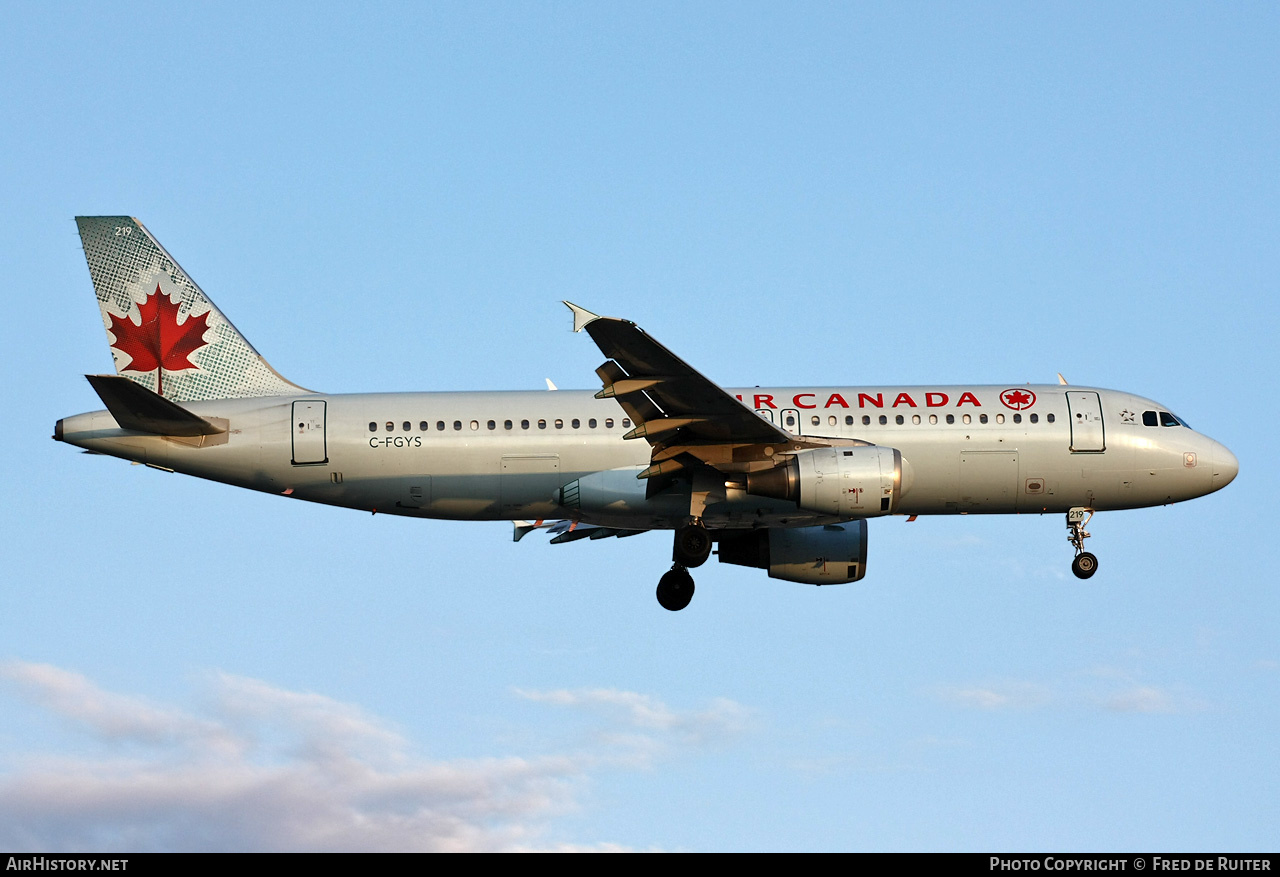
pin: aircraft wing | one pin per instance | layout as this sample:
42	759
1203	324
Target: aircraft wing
669	401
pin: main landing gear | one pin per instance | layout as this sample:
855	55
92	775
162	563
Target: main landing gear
692	548
675	588
1085	564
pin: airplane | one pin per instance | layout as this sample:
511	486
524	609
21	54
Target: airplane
779	479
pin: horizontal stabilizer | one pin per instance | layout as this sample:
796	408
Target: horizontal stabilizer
141	410
573	534
524	528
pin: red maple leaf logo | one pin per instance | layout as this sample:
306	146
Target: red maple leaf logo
1018	400
158	341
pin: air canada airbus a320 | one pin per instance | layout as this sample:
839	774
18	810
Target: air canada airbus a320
781	479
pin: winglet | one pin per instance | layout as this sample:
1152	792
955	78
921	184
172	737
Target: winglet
1061	379
581	316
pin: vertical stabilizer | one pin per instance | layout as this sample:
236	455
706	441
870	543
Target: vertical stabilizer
164	332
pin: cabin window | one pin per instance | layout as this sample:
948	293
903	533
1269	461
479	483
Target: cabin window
982	418
408	427
898	420
1035	418
440	425
576	424
592	423
915	418
391	427
457	424
559	423
423	426
1149	418
506	424
475	424
373	426
866	420
542	424
848	420
1017	418
967	418
883	420
951	418
626	423
608	423
491	425
524	424
1049	418
1000	418
933	419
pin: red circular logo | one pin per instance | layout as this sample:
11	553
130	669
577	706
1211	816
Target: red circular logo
1018	400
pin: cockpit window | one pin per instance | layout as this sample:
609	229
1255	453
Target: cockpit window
1167	419
1149	418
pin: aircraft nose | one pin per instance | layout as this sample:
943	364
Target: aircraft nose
1225	467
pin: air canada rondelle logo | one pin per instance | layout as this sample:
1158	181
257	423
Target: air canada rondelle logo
1018	400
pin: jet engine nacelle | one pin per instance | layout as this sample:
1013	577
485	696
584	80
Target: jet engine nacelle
860	482
829	555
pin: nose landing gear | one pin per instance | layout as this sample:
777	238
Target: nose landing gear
1084	564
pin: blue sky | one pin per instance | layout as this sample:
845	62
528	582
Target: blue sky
397	197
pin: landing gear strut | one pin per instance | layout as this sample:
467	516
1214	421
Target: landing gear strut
1085	564
675	589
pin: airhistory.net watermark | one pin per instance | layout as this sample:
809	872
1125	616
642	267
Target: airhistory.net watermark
63	863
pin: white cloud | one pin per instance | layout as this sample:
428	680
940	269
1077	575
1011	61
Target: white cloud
1008	695
1109	688
723	718
1149	699
277	770
113	717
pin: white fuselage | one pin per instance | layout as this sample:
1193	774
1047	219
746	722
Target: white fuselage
506	455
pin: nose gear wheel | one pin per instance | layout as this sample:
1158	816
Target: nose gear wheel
1084	565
